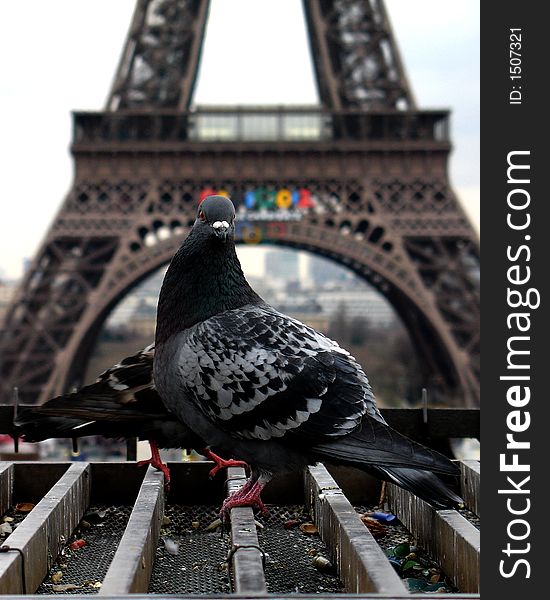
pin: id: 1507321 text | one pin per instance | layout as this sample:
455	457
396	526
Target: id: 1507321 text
515	62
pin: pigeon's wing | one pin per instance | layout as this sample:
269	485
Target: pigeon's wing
123	402
259	374
130	376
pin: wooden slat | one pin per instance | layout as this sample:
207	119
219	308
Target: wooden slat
246	556
361	563
446	535
42	534
131	448
130	570
439	422
6	486
469	484
6	418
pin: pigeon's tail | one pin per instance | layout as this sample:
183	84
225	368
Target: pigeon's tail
382	451
81	414
34	426
98	409
118	404
135	420
423	484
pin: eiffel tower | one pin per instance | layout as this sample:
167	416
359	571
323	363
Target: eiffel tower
361	179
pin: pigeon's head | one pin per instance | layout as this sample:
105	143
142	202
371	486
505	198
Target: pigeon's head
216	215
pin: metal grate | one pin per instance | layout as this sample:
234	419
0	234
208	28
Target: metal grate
396	534
102	528
14	519
472	517
290	555
200	566
130	548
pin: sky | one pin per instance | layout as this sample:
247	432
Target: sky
63	55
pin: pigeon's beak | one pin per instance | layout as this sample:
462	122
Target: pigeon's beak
221	229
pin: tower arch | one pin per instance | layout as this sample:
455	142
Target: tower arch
363	177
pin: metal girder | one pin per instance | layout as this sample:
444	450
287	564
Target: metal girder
356	59
159	63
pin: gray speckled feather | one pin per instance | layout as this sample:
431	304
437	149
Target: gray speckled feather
258	374
121	403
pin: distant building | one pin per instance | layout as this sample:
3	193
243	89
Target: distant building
318	321
357	300
143	320
366	303
143	295
323	271
306	309
282	264
262	287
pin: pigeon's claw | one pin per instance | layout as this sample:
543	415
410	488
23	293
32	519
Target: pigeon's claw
224	464
221	463
248	495
156	461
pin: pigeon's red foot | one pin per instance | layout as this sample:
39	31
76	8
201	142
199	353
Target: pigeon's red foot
156	461
221	463
248	495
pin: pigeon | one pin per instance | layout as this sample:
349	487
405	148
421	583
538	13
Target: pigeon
122	403
264	387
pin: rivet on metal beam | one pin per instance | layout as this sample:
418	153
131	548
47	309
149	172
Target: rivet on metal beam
15	436
425	406
237	547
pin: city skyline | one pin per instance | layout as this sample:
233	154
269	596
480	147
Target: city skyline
294	278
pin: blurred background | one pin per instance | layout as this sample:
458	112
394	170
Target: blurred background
63	58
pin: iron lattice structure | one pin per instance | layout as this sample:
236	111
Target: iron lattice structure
362	179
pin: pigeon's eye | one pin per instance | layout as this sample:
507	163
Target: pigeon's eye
202	216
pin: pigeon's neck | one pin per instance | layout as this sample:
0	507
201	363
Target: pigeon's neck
204	279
